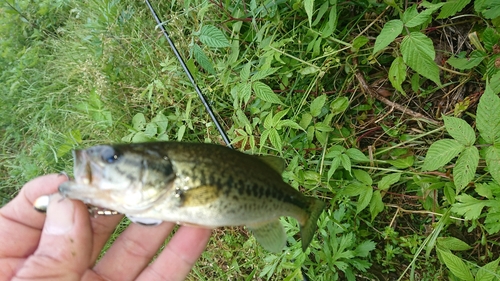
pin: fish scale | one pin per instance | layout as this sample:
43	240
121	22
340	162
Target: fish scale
191	183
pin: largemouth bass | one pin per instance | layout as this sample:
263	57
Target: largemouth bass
193	183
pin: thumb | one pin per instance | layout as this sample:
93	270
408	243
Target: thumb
65	247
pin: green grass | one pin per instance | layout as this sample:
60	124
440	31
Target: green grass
354	126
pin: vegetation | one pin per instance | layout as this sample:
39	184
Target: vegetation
389	111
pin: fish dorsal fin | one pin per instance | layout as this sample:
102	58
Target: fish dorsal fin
274	162
144	221
270	235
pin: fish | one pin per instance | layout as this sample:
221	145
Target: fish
202	184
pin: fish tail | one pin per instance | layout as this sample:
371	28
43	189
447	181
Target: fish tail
308	228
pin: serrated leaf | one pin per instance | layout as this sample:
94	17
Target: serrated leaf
317	104
346	162
386	181
202	59
263	73
488	117
213	37
389	32
440	153
488	271
460	130
484	190
412	17
451	7
376	204
333	167
245	71
364	249
492	157
456	265
309	7
402	163
489	9
288	123
265	93
397	74
468	206
418	53
275	139
356	155
476	57
465	168
362	176
452	244
364	199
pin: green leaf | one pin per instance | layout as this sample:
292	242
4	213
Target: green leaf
346	162
418	53
452	244
309	7
488	271
488	117
212	37
317	104
139	122
456	265
402	163
263	73
364	249
397	74
492	157
440	153
275	139
265	93
484	190
389	32
245	71
460	130
356	155
339	105
359	42
412	18
476	57
489	9
364	198
362	176
202	59
465	168
451	7
288	123
386	182
468	206
333	167
376	204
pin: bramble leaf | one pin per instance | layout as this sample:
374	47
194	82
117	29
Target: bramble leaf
317	104
386	182
202	59
460	130
440	153
265	93
452	244
487	271
376	204
456	265
418	53
309	7
492	157
389	32
451	7
488	117
465	168
213	37
397	74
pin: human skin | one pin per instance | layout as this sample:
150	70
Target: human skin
64	243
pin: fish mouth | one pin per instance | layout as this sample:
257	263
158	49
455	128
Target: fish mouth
82	167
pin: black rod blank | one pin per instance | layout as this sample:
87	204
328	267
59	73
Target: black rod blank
190	76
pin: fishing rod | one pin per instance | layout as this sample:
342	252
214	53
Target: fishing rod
190	76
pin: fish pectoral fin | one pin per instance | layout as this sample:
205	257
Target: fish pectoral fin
199	196
270	235
274	162
145	221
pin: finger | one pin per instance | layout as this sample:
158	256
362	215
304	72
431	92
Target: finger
19	219
132	251
102	228
65	244
179	256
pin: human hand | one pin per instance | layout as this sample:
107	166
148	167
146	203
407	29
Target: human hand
65	243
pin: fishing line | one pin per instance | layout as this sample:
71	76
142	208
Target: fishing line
190	76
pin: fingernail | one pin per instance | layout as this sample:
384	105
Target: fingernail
60	215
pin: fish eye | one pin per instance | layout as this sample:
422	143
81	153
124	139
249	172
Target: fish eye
109	155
